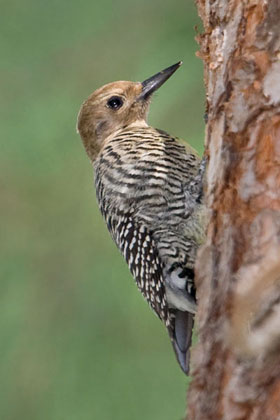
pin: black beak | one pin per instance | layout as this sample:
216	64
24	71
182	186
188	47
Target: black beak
150	85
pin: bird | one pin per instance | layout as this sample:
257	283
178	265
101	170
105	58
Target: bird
149	188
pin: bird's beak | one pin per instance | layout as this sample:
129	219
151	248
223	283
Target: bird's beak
150	85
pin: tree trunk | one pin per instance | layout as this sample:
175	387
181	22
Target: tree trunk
236	364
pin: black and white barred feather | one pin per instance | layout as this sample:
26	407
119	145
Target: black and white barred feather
149	189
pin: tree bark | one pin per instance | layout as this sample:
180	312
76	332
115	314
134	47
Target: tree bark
236	363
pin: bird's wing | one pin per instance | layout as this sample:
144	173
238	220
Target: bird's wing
138	246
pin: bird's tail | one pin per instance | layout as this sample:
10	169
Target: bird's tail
181	337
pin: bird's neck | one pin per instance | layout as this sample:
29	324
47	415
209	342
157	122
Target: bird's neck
135	124
138	123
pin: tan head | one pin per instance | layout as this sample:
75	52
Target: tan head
115	106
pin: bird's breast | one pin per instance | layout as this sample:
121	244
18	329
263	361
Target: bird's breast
144	173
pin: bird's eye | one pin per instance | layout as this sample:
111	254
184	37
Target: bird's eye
115	102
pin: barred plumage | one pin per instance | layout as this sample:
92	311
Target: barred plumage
149	190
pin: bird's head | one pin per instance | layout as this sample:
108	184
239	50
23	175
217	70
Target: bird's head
115	106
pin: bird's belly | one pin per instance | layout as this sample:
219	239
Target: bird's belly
177	293
179	300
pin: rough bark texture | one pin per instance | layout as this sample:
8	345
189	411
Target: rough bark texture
236	364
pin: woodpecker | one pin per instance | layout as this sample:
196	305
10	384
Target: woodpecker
149	187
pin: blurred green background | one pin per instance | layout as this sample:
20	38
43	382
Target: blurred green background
77	339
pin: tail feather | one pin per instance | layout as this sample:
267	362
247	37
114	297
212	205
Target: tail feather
182	338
